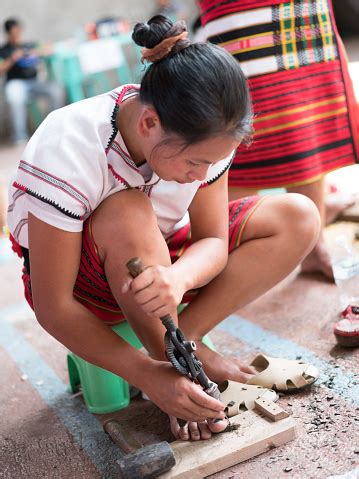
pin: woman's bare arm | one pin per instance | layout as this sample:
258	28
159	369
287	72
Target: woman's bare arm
208	254
54	259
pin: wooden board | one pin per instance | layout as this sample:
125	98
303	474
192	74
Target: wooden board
270	409
256	434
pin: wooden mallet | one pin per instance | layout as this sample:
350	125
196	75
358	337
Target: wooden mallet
139	462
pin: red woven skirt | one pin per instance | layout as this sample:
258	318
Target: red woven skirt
305	113
92	288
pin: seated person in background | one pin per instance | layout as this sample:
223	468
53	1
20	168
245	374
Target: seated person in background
19	62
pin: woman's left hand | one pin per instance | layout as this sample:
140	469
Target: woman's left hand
158	290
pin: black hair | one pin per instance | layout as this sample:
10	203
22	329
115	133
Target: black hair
10	23
198	90
196	24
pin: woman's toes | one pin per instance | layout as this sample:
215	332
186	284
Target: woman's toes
175	427
184	433
197	430
218	426
194	431
205	430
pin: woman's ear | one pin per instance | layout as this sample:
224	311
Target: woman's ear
148	123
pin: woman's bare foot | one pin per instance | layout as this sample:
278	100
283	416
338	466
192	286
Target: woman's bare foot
318	261
218	369
336	203
195	431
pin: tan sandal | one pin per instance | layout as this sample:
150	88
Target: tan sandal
282	374
238	396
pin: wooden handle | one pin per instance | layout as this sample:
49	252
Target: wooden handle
121	436
135	267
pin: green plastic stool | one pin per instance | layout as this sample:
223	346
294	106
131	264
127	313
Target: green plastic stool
103	391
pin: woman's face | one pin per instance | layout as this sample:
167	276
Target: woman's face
167	156
173	163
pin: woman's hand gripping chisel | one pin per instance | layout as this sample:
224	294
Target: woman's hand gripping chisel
179	351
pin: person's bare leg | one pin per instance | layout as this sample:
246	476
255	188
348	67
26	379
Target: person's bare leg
336	203
125	226
133	232
329	208
234	193
318	260
258	264
279	234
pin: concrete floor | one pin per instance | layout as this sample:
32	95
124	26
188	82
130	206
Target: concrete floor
45	432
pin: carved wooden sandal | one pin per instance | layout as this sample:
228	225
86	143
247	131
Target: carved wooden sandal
282	374
238	396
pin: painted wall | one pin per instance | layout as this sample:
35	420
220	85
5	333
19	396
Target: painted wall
51	20
54	20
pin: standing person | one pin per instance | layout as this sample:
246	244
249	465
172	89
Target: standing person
142	171
306	117
19	62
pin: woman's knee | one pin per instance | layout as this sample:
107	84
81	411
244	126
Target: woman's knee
125	211
125	225
301	218
290	215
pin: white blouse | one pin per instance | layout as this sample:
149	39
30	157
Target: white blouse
77	158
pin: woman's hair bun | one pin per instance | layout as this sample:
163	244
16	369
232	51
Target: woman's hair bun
153	32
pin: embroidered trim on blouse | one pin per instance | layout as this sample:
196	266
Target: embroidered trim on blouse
15	197
215	178
120	98
56	182
48	201
118	177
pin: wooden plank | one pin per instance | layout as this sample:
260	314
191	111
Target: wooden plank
255	434
270	409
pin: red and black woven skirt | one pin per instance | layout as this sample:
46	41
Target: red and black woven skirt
305	113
